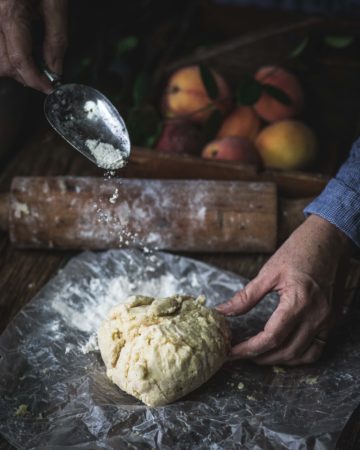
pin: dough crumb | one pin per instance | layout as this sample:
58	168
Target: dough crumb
160	349
311	380
278	369
22	410
241	386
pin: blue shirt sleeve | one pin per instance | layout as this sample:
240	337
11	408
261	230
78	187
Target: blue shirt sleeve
339	203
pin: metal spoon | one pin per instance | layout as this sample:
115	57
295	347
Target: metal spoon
88	121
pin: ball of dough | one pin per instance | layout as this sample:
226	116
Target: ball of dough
159	349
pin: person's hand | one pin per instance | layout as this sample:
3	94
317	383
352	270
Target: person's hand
306	273
16	58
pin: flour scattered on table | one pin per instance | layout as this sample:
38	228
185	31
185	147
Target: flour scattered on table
99	296
91	345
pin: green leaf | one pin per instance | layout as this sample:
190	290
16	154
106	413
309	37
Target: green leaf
212	125
141	88
337	41
209	81
248	92
277	93
151	140
127	44
299	48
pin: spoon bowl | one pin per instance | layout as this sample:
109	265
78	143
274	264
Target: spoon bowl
88	121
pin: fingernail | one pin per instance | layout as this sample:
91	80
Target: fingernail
221	307
224	309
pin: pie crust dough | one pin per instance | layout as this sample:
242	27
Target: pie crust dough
160	349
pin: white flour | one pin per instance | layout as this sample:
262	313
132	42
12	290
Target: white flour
92	110
106	155
98	302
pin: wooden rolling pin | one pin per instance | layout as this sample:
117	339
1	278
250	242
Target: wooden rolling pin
95	213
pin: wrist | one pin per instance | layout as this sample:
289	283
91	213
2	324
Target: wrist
337	237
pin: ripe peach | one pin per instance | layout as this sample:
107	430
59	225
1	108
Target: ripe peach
268	107
288	144
180	136
186	95
232	148
242	122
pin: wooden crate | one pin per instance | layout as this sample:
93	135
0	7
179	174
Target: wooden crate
332	88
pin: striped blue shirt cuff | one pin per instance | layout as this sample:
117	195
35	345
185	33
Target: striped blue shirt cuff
340	205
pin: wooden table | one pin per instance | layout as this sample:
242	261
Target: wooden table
23	273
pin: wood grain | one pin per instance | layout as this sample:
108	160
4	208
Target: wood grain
146	163
185	215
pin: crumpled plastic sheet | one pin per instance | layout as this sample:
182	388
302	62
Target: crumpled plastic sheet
72	404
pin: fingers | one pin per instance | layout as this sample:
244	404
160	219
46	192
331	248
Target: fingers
5	66
248	297
301	316
311	355
19	50
278	328
55	41
294	349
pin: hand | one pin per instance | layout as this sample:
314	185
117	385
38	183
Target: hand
304	271
16	59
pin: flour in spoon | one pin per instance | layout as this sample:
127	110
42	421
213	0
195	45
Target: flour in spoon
106	155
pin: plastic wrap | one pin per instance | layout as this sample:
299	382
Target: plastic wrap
70	403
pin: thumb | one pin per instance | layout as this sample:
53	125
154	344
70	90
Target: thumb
244	300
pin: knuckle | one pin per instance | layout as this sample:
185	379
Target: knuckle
272	341
240	298
243	296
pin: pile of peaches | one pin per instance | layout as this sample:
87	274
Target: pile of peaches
265	133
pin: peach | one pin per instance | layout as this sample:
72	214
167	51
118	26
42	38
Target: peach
231	148
288	144
186	95
242	122
268	107
180	136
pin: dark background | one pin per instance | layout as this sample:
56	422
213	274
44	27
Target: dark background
168	31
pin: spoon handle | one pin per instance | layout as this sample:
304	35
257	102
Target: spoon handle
52	77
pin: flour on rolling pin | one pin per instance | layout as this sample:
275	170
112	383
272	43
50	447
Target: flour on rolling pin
196	215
